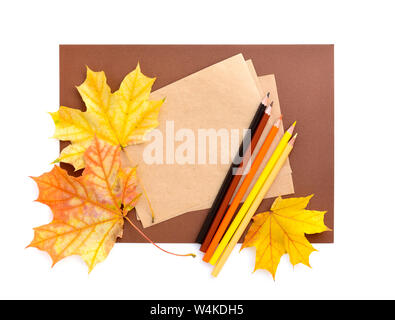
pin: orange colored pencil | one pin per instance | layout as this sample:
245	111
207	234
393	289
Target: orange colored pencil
242	190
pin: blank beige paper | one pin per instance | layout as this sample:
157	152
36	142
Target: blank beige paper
224	95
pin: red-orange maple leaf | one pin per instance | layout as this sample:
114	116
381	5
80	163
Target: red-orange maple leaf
88	211
87	214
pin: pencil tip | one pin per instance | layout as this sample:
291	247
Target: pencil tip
278	121
268	110
268	94
292	141
291	128
271	103
264	102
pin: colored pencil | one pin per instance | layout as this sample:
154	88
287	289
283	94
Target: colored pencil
242	190
254	207
235	181
228	178
254	192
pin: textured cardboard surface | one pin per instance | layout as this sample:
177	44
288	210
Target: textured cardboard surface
305	84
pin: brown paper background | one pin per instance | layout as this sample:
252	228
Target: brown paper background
305	83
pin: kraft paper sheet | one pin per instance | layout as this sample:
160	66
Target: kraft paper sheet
224	95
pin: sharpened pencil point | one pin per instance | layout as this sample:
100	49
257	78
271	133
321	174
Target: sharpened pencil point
292	141
268	110
271	103
264	102
278	121
291	128
265	99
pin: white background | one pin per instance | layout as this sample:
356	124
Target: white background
360	264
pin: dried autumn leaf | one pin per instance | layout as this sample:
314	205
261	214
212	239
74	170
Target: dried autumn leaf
282	230
87	214
121	118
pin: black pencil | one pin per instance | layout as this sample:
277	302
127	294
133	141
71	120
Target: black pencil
228	178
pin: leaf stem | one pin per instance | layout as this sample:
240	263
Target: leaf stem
148	239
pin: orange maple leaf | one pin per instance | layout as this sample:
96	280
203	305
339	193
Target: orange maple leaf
88	211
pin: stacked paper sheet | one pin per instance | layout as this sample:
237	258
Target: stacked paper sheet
222	96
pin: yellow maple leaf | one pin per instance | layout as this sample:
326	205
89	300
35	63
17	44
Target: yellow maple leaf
121	118
282	230
88	211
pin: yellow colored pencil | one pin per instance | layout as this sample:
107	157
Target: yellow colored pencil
254	207
251	197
